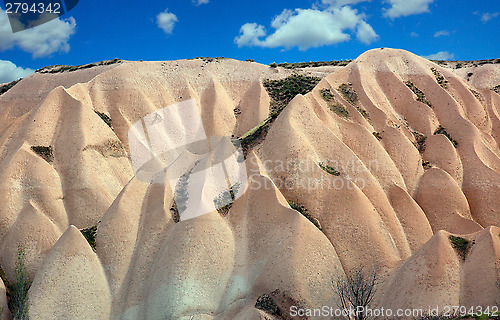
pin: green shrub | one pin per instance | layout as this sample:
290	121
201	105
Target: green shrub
44	152
17	292
284	90
335	106
348	93
460	244
302	210
273	65
105	118
6	87
224	201
339	109
351	96
420	95
329	169
255	135
327	95
90	234
442	130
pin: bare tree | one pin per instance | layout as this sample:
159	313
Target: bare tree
355	292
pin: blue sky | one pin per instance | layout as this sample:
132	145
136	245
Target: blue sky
266	31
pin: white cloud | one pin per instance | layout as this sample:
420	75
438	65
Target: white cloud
442	33
485	17
403	8
250	34
414	34
10	72
308	28
366	34
200	2
166	21
442	55
40	41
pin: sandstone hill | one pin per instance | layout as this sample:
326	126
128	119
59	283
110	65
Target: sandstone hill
391	162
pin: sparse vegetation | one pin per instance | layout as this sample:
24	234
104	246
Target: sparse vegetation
90	234
224	201
210	59
463	64
356	290
267	304
181	195
339	109
105	118
284	90
476	94
255	135
297	65
6	87
44	152
110	148
460	244
420	95
329	169
419	141
273	65
377	135
496	89
281	92
64	68
302	210
351	96
335	106
348	93
442	130
327	95
439	78
17	292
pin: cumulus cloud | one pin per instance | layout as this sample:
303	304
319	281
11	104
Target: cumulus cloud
403	8
442	33
365	33
442	55
166	21
200	2
40	41
10	72
308	28
487	16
